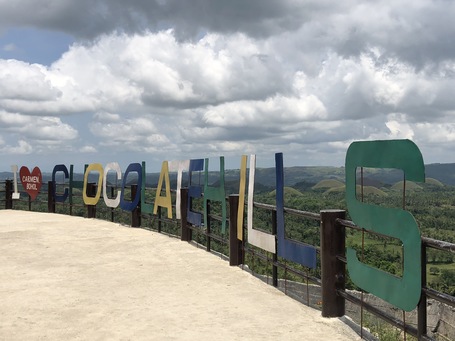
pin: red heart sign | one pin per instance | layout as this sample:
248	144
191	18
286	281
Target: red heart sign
31	181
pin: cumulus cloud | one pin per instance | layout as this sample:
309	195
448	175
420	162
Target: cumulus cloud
22	147
174	77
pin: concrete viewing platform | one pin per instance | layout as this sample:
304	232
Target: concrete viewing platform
72	278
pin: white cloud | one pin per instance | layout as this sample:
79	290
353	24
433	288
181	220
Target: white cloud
37	128
178	79
88	149
22	147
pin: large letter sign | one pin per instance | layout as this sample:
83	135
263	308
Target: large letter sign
257	238
111	202
194	191
16	194
31	181
179	167
131	205
215	193
64	170
403	292
93	167
164	201
287	248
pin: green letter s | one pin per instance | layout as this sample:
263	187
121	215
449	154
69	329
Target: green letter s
403	292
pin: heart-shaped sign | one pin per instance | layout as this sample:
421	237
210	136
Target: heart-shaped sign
31	181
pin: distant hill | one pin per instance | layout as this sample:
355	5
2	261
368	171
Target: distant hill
367	190
302	177
433	182
330	183
410	186
289	192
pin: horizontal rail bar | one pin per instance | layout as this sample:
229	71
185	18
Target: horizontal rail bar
438	244
264	206
293	211
440	296
352	225
305	214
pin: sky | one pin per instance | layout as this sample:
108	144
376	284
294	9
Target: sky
152	80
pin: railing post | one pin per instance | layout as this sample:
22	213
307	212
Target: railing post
160	225
50	197
136	213
185	230
333	270
91	192
235	245
207	228
275	255
422	306
8	194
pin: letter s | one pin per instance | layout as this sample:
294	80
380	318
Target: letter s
403	292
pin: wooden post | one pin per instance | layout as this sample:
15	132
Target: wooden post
91	192
50	197
136	213
185	230
8	194
235	245
333	270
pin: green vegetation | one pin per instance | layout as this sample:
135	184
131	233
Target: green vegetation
432	205
317	188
